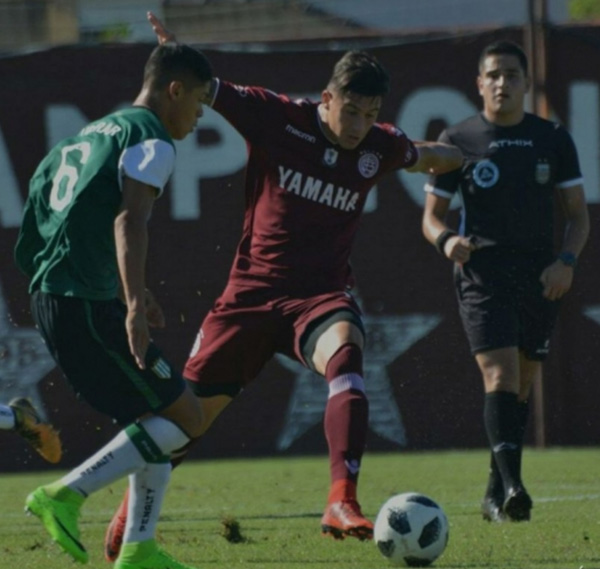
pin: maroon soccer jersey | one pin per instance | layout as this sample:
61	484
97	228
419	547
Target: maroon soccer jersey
304	194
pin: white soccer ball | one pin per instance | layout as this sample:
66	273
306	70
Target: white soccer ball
411	530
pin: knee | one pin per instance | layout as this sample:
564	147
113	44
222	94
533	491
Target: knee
525	387
189	415
497	379
341	337
347	359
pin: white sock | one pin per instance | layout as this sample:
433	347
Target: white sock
7	418
150	441
146	492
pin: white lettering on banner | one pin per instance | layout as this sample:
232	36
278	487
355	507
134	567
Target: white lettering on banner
11	203
63	121
584	119
419	109
228	155
223	158
25	359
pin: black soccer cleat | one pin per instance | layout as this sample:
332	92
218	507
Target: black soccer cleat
491	509
517	505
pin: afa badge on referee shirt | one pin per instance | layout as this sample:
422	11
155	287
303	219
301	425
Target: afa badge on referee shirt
542	172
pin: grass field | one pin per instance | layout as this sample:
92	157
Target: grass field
279	502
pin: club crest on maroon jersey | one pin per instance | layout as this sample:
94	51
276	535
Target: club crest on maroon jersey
368	164
330	157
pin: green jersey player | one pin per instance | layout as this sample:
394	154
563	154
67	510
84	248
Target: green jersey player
76	190
83	239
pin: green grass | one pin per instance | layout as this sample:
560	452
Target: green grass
278	504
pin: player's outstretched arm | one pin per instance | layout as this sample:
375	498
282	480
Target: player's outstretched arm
436	158
162	34
165	36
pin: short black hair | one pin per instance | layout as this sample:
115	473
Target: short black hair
176	62
360	72
505	48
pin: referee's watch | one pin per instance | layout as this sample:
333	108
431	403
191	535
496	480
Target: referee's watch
568	259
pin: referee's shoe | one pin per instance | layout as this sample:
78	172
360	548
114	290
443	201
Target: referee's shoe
517	504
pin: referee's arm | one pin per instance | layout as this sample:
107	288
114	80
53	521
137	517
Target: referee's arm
456	247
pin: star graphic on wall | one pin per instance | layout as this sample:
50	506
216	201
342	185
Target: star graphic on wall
24	360
387	338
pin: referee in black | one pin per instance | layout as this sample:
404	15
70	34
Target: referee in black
509	276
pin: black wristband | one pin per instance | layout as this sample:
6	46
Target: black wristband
440	242
568	259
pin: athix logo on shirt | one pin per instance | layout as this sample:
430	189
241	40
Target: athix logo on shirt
507	142
317	190
303	135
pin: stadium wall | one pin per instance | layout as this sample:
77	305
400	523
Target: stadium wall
424	387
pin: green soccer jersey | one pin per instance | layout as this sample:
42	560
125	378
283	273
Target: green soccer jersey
66	242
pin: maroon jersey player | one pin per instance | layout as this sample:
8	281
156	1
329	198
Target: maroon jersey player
310	168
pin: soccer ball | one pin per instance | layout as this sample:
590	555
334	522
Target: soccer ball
411	530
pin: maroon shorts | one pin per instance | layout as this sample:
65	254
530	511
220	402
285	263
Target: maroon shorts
246	327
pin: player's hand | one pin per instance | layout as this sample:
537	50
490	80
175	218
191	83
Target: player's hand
556	279
458	249
154	313
138	335
162	34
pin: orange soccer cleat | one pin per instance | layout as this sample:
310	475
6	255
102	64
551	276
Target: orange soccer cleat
42	436
344	518
116	530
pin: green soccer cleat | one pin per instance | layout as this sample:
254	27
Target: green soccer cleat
59	515
42	436
146	555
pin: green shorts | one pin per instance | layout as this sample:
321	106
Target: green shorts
88	341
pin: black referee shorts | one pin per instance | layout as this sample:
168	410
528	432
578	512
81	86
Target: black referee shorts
501	305
89	342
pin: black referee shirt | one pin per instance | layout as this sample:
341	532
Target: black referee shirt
508	179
